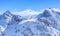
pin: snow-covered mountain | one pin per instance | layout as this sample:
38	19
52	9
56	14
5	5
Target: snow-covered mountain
30	23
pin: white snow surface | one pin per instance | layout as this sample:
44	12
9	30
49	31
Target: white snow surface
30	23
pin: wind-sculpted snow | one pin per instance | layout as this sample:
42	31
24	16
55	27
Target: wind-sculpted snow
30	23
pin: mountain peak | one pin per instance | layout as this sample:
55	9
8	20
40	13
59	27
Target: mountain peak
50	11
53	9
7	14
47	12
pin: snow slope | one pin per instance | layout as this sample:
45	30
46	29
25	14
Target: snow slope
30	23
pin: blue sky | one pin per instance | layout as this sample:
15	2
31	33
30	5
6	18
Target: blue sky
28	4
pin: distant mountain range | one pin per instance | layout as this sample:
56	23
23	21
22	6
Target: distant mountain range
31	23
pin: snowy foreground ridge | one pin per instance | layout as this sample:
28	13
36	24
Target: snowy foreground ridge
30	23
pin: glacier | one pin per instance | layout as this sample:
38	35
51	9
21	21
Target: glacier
30	23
